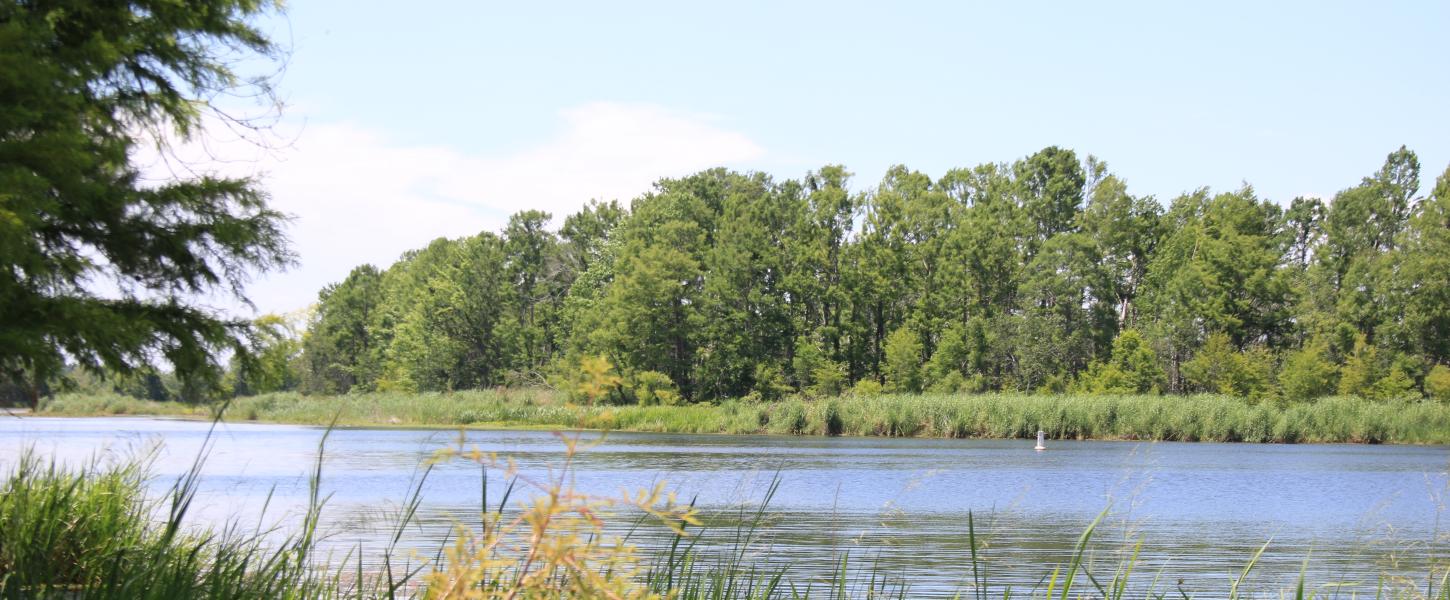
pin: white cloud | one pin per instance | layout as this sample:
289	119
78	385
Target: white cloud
359	198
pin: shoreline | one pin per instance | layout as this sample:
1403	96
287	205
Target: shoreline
531	427
1337	420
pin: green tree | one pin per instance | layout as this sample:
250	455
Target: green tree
533	268
1308	373
1062	286
815	249
586	232
1437	383
339	347
649	311
1051	183
806	358
984	265
275	366
1304	226
1132	368
1377	374
903	361
1126	231
1220	368
449	333
1422	269
746	315
82	82
1368	217
1218	270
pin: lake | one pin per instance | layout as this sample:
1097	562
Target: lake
1200	510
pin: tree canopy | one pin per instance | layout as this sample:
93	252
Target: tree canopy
1045	274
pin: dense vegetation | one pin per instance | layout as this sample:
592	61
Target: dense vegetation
1207	418
1045	275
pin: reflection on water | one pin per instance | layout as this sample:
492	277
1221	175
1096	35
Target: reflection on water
1199	510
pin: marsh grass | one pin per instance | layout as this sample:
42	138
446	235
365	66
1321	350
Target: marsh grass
1167	418
92	532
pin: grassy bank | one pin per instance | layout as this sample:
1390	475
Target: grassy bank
1172	418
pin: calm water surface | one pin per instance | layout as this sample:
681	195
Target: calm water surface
1200	510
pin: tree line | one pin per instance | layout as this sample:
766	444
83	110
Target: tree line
1043	275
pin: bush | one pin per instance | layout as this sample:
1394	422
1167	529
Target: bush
1437	383
1132	369
903	361
867	387
950	383
806	361
770	383
592	381
1357	376
1308	373
1397	384
1220	368
652	388
830	379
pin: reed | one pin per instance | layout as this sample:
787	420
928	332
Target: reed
1168	418
92	532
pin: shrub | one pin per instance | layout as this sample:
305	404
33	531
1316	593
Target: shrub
806	362
830	379
1220	368
1360	371
654	388
1437	383
594	380
770	383
1132	368
867	387
1308	373
903	361
943	372
951	383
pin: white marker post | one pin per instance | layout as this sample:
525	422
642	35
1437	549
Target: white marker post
1041	435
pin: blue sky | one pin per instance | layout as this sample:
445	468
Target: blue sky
424	119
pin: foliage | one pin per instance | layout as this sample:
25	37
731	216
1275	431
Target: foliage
341	346
1221	369
1308	373
596	379
903	362
1437	383
653	388
100	266
1198	417
866	388
1370	373
1023	277
274	364
555	547
1132	369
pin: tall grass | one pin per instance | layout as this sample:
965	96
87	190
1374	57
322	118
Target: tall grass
1171	418
91	532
